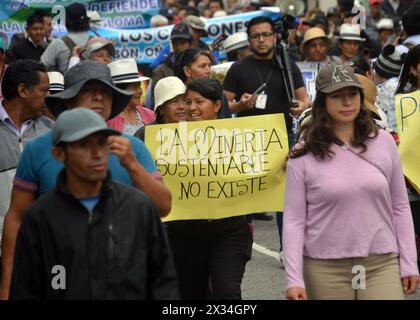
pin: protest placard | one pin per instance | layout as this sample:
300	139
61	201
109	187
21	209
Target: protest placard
407	108
221	168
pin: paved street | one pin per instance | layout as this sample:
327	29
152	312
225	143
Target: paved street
264	279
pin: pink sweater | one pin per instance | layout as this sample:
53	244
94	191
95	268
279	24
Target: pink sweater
147	116
343	207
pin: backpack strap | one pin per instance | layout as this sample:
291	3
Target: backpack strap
409	45
69	42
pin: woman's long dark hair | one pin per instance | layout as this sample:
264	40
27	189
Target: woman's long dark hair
209	88
187	58
412	59
318	133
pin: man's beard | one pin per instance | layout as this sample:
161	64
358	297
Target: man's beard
262	55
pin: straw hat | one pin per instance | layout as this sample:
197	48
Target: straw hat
56	81
197	23
125	71
350	31
314	33
385	24
235	41
370	94
98	43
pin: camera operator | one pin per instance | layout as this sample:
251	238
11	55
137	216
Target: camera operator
245	76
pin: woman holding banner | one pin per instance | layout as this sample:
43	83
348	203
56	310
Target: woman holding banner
170	107
347	222
409	82
210	255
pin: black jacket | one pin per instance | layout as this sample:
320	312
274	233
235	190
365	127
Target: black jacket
120	252
24	50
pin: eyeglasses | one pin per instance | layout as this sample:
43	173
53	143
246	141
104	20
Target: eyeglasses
258	35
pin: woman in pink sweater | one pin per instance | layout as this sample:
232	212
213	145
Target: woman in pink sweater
348	231
125	76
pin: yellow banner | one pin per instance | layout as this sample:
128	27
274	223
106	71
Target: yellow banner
407	109
221	168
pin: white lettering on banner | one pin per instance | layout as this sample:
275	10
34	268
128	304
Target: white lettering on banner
14	27
137	37
137	52
227	27
128	52
124	22
123	6
16	6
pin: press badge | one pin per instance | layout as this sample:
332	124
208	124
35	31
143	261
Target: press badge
261	101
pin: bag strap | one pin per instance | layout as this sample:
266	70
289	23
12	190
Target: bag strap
69	42
409	45
347	147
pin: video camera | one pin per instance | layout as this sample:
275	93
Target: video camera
284	23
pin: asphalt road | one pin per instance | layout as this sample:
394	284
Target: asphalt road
264	279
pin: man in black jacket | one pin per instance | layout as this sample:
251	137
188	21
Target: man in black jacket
91	238
30	47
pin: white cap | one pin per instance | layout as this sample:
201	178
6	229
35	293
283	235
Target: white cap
236	41
385	23
56	81
97	43
219	13
94	16
167	89
350	31
125	71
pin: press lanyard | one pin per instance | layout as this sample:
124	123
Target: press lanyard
260	76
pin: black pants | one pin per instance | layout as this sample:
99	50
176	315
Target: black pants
415	211
210	253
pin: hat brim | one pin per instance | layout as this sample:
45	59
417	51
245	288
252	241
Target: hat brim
120	98
373	110
341	85
134	80
327	40
79	135
109	46
352	38
203	31
183	37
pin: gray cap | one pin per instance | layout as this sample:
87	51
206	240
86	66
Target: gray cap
334	77
76	124
74	80
182	31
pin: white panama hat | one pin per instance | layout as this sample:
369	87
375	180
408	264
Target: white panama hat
167	89
350	31
125	71
56	81
236	41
